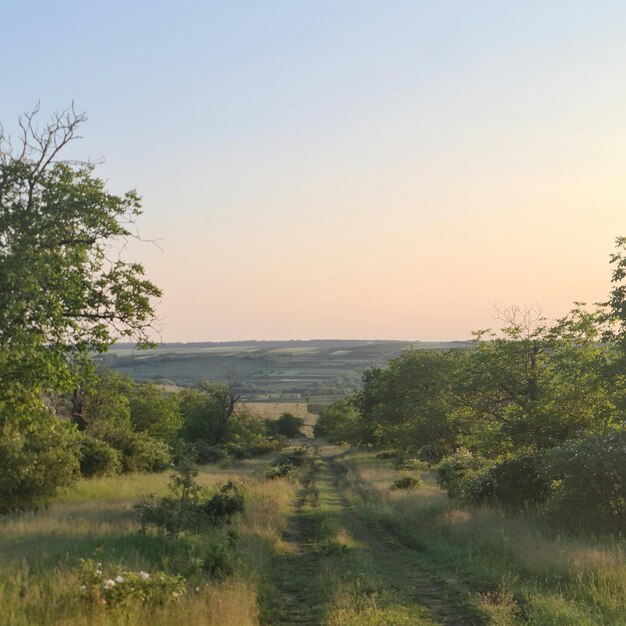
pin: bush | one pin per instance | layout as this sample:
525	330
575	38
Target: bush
224	504
284	463
119	586
407	482
452	470
188	511
219	560
98	458
204	452
287	425
589	483
516	482
39	455
139	452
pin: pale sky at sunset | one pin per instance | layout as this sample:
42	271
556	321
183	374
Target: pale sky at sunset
348	168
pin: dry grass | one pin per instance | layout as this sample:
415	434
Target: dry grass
40	551
531	571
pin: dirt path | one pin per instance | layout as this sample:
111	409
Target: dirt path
301	597
297	572
400	566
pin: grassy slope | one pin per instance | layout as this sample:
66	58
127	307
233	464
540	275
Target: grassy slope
337	548
510	570
40	552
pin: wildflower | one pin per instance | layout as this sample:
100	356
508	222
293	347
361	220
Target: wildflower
83	587
99	572
108	583
197	589
119	579
144	575
175	594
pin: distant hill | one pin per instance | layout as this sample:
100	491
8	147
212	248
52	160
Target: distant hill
316	371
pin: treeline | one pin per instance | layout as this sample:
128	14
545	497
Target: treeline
530	417
112	425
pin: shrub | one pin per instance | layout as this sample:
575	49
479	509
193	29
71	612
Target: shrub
98	458
119	586
516	482
284	463
39	455
139	451
219	560
287	425
224	504
590	483
407	482
452	470
204	452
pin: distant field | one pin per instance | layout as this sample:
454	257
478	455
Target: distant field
316	372
273	410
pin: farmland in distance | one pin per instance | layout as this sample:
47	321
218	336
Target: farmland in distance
316	371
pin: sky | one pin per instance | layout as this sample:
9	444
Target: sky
345	168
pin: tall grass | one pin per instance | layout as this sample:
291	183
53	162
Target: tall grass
515	569
39	553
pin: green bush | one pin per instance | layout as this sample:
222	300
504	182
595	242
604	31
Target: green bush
407	482
453	470
204	452
39	455
285	462
119	586
287	425
98	458
589	483
224	504
516	482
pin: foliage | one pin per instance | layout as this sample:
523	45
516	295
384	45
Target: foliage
407	404
406	482
590	483
65	292
453	470
121	586
38	455
188	508
154	412
224	504
339	422
206	410
98	458
246	436
286	462
287	425
136	420
517	482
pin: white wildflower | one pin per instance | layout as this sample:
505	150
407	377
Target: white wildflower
144	575
108	583
83	587
99	572
119	579
175	594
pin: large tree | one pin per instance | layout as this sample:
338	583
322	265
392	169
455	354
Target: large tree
65	290
65	287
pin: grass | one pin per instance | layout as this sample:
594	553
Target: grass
39	582
333	546
511	568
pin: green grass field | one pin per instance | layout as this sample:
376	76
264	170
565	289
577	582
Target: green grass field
334	545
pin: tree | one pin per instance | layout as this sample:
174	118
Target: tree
65	290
